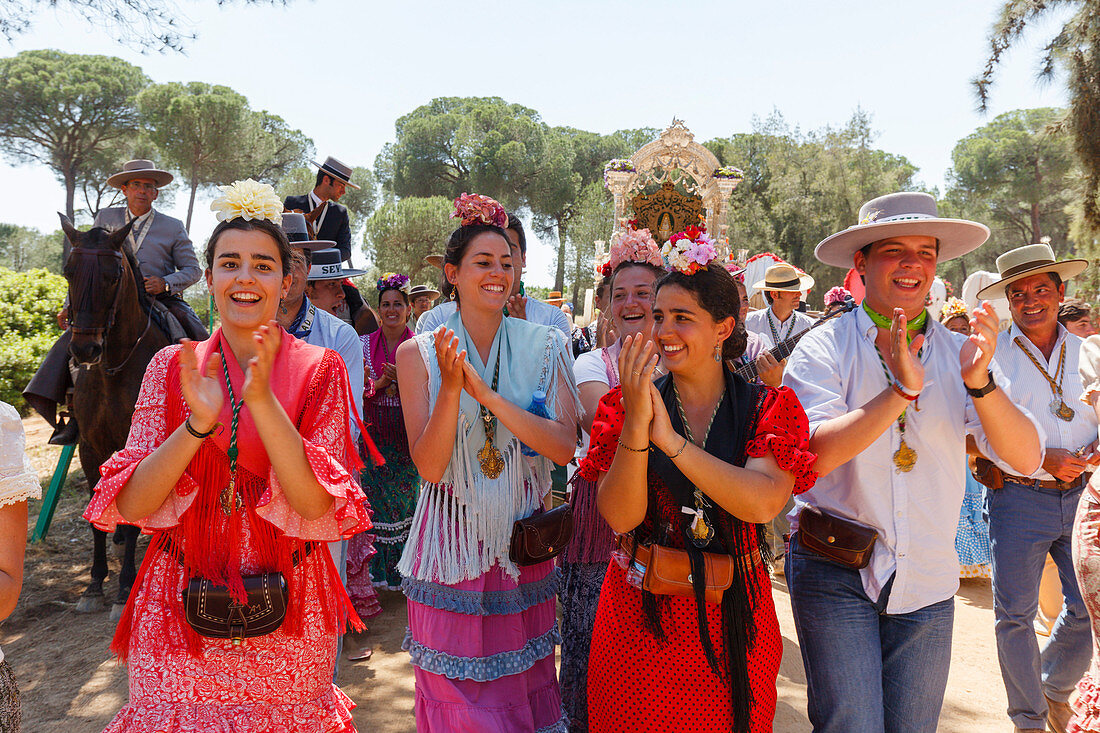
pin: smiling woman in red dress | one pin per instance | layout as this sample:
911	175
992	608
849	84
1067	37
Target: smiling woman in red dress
239	462
697	461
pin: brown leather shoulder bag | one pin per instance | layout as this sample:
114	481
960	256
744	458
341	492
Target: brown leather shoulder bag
541	537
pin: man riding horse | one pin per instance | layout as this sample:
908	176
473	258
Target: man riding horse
168	266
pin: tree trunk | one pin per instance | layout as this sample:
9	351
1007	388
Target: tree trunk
191	202
559	274
70	208
1036	233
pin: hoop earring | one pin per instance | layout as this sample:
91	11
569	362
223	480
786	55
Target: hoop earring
718	352
452	295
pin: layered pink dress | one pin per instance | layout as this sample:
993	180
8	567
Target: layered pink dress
278	683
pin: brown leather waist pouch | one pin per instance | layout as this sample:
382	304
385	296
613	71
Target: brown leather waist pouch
541	537
211	611
987	473
668	571
840	540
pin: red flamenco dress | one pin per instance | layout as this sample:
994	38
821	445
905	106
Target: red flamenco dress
280	682
648	670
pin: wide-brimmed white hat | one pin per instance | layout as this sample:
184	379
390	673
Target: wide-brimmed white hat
900	215
1031	259
784	278
328	265
140	168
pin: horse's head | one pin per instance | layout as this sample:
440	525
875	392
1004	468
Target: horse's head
98	272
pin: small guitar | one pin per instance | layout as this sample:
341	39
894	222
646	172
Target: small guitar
785	347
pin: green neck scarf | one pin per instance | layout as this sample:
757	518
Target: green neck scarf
913	327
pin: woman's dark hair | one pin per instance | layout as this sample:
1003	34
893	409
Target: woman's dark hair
658	272
272	229
460	240
716	291
404	295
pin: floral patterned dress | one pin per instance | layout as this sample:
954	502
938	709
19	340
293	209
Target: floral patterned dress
280	682
638	682
1086	560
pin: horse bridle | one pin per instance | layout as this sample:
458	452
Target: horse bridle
100	332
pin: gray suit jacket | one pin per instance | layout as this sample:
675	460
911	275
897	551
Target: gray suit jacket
166	251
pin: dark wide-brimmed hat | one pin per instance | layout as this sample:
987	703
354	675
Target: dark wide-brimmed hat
434	261
1031	259
336	169
419	290
784	278
294	224
901	215
140	168
328	265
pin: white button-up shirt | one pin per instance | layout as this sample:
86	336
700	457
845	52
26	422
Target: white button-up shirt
836	369
762	321
1032	391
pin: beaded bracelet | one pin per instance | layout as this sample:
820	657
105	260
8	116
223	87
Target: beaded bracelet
633	450
196	433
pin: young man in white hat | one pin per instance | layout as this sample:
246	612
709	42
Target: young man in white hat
168	265
782	286
1031	515
872	569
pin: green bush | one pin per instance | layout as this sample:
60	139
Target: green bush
29	302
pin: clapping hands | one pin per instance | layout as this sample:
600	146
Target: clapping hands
202	388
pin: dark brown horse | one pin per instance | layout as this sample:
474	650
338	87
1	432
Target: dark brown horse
113	339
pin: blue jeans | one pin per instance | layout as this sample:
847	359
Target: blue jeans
866	670
1026	523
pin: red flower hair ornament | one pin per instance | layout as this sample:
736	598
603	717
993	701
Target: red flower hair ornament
473	208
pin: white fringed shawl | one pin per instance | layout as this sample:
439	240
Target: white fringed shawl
463	524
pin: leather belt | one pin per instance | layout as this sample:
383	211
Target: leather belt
1044	484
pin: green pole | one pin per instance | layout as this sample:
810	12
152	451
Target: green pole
210	314
53	494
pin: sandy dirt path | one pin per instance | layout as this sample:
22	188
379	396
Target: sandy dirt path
70	682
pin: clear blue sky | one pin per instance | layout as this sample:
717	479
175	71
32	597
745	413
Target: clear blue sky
343	71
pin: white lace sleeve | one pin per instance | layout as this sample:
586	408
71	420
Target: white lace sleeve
18	480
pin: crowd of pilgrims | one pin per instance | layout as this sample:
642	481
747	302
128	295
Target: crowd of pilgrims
698	458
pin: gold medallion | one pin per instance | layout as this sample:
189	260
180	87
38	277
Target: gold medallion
1061	410
905	458
491	459
229	498
701	531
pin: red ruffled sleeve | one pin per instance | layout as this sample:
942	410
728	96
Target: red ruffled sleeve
607	426
148	430
783	430
324	439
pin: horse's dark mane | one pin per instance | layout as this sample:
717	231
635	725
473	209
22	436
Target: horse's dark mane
139	279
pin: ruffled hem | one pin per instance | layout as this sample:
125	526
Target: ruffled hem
346	517
482	603
20	487
1086	708
482	669
330	713
789	455
103	512
561	726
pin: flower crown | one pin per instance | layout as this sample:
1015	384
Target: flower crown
473	208
634	245
690	250
393	281
248	200
836	295
953	308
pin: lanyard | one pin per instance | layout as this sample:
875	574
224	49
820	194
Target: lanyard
145	230
229	495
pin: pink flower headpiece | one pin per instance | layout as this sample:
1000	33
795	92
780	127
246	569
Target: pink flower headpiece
837	295
473	208
690	250
634	245
393	281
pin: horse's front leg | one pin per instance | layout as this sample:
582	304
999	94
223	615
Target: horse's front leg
128	573
92	599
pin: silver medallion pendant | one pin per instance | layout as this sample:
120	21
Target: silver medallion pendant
1061	410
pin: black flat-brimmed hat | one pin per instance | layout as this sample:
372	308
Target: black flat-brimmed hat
1031	259
294	224
140	168
328	265
336	169
901	215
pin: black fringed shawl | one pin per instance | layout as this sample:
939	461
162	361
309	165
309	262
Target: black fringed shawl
734	426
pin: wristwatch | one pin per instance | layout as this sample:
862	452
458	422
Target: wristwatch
989	387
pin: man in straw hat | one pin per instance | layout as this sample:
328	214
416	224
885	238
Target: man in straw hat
1032	514
782	287
421	298
891	396
168	267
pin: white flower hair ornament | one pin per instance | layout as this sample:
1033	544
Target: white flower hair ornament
248	200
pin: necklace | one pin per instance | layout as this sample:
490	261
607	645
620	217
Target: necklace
912	326
1058	406
904	457
775	333
489	457
701	530
229	497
